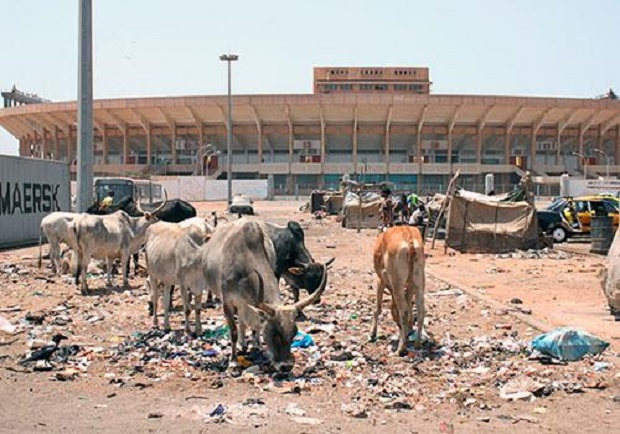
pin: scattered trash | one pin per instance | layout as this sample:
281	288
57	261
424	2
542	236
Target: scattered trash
6	326
302	340
568	344
601	366
218	411
293	410
520	389
307	420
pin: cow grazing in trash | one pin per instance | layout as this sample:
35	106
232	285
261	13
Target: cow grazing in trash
239	266
160	253
57	227
399	264
294	262
117	235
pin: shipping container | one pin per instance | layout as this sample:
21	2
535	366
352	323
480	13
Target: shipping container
29	190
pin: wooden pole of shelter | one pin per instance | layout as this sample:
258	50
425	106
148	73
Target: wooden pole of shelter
359	214
449	193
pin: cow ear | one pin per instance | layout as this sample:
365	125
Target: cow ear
267	309
206	238
296	271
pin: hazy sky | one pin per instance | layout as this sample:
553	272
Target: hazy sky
157	47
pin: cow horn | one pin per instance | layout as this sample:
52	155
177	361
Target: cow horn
160	207
138	201
302	304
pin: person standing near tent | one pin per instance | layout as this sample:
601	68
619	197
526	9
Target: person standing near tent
413	201
387	208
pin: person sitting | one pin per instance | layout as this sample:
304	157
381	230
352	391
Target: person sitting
107	201
571	216
419	218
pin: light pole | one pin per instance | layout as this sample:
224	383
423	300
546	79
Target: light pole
85	106
584	163
604	154
229	58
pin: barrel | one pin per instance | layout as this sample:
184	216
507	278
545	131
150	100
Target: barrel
601	234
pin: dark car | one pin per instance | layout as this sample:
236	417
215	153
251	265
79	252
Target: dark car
551	223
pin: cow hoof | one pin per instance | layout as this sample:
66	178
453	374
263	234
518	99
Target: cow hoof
372	338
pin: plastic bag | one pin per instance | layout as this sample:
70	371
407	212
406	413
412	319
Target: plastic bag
302	340
568	344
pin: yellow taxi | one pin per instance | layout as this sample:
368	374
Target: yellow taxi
584	208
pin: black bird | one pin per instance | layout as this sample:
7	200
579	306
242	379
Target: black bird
44	353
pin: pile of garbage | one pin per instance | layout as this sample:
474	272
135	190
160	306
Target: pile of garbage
545	253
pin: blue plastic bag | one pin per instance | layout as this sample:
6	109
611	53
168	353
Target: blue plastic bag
568	344
302	340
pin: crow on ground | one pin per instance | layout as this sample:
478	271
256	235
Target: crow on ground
44	353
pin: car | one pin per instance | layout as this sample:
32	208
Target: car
241	204
585	207
552	224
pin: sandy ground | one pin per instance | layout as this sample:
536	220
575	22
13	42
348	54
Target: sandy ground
452	386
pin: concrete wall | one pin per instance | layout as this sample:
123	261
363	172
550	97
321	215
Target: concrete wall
29	190
198	188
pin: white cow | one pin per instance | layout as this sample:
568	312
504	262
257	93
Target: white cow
57	228
110	236
160	255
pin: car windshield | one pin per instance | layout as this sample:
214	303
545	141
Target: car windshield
241	200
121	191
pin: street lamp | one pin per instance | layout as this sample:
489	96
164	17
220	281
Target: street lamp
604	154
584	163
229	58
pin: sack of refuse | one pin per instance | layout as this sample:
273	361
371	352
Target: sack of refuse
568	344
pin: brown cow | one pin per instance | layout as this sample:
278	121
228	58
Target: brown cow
399	264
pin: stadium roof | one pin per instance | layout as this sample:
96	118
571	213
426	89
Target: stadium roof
324	109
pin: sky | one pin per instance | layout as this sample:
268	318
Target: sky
163	48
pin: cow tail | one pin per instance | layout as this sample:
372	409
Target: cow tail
411	254
40	263
78	252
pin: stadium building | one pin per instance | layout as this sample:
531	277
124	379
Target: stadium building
374	123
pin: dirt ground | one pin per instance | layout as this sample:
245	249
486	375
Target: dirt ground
123	375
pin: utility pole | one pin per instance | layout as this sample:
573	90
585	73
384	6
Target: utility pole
85	106
229	58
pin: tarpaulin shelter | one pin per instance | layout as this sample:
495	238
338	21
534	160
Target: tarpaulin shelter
367	216
477	225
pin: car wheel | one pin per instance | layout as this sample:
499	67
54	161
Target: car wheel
559	234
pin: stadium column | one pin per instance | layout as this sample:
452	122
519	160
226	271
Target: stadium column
355	139
479	143
125	145
44	144
149	144
507	145
104	139
173	142
56	144
323	148
259	133
69	146
291	177
23	146
533	151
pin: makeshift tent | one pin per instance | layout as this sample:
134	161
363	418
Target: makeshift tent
476	225
368	216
